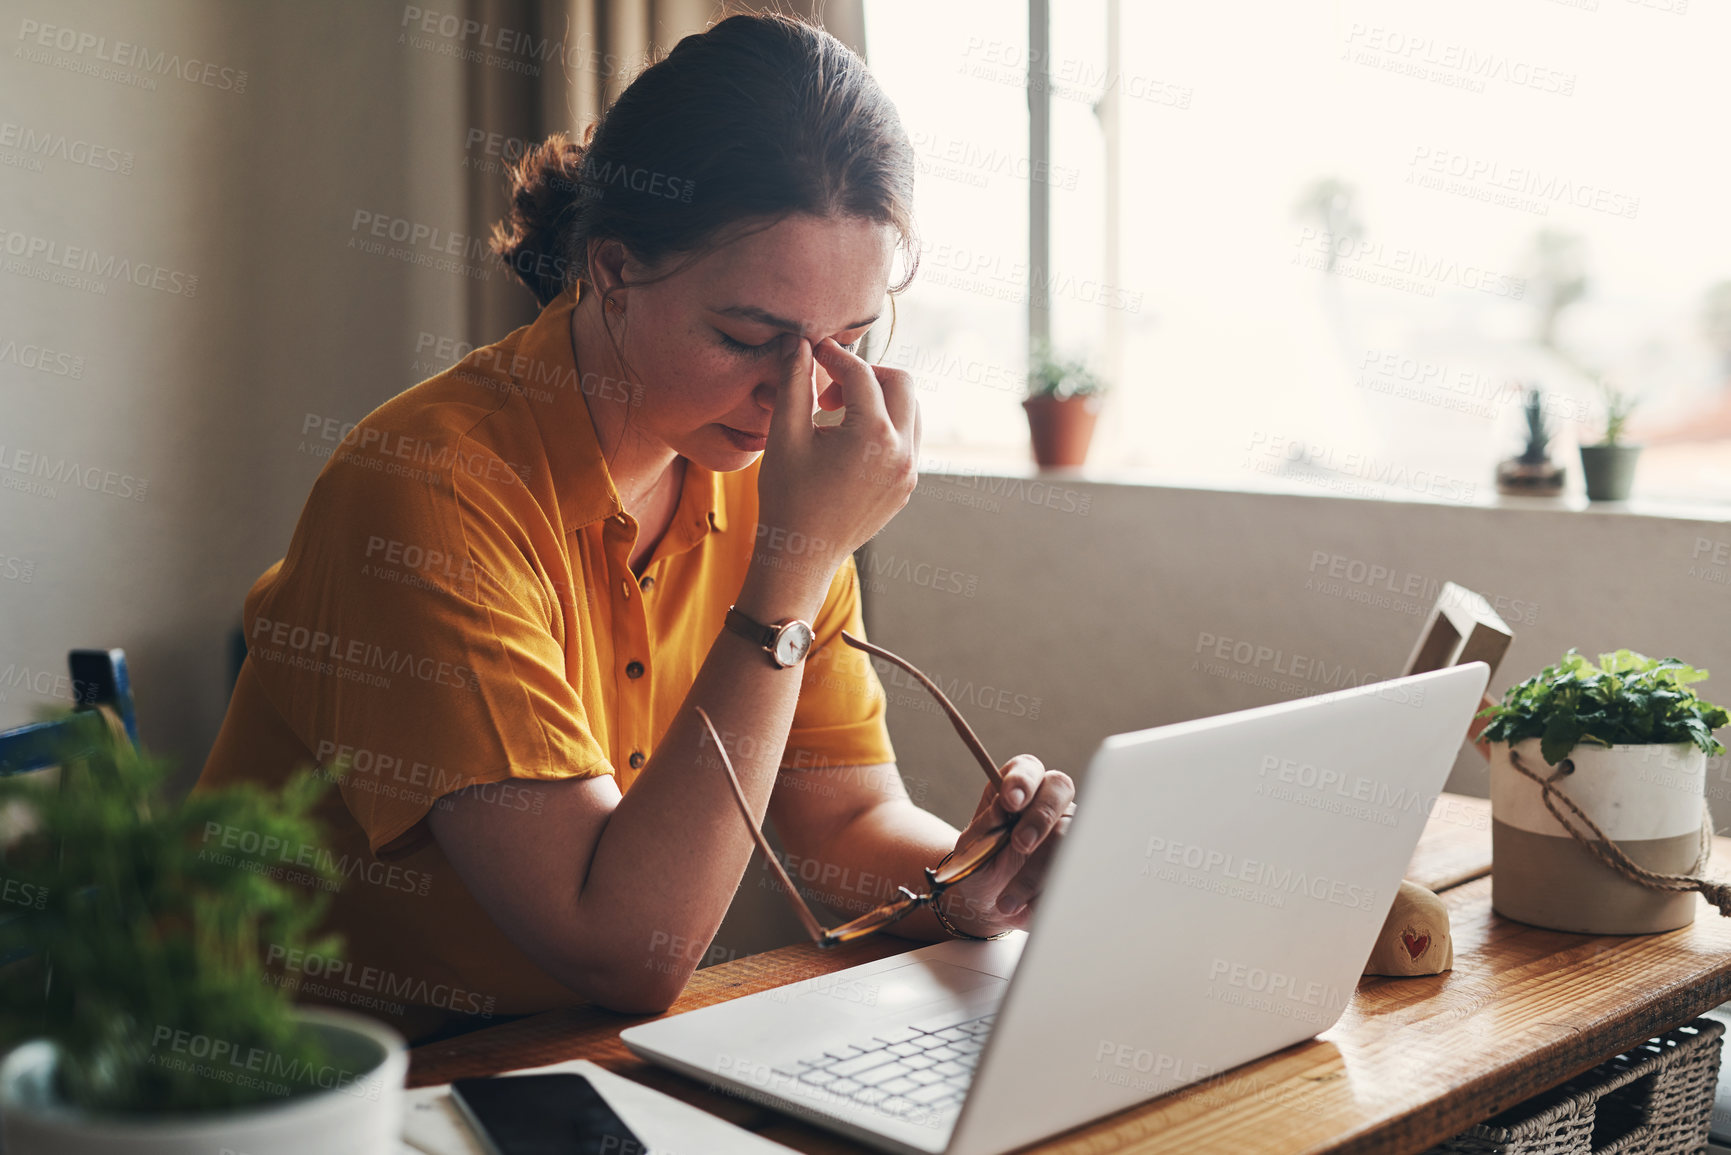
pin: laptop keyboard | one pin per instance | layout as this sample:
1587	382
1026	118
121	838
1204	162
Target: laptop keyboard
901	1072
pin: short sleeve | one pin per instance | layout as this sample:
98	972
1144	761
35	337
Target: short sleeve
840	717
411	631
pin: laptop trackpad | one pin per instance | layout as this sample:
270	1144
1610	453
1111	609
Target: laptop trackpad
904	992
919	989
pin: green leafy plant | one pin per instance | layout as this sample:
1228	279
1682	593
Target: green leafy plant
1060	378
155	917
1618	408
1624	699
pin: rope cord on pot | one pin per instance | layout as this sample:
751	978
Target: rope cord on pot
1609	853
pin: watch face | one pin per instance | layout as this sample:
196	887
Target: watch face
793	642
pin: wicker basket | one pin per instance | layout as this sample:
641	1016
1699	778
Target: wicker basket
1657	1099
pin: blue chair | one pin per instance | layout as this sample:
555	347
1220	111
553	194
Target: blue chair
99	678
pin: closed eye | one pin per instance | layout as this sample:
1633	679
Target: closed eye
746	350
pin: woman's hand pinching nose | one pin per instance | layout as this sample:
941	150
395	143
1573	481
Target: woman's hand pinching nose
831	398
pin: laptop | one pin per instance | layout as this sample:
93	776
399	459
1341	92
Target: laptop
1214	900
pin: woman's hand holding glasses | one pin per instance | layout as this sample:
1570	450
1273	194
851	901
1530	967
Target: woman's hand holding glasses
986	885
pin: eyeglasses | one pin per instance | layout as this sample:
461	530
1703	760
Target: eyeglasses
956	866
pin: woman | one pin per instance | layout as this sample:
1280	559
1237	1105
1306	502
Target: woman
512	584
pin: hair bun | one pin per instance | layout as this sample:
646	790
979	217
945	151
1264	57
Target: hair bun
544	189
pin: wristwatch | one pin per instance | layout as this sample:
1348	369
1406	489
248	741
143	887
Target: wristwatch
786	643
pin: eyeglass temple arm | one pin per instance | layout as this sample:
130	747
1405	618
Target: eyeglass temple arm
960	723
812	926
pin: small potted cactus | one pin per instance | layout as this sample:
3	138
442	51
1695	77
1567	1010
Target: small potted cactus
1609	466
1533	473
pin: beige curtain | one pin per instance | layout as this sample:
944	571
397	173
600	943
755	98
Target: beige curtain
583	53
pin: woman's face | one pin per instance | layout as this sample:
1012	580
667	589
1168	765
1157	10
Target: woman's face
707	345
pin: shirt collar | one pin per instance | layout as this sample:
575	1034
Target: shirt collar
545	362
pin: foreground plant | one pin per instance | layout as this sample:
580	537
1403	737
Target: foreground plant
154	917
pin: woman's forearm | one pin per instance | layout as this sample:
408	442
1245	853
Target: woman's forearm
673	851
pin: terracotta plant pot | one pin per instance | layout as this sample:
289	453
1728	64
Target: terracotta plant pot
1062	428
1647	799
1609	470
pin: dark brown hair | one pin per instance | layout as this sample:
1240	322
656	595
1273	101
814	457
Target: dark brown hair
759	117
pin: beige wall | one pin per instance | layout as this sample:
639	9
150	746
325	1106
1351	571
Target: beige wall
205	395
1101	606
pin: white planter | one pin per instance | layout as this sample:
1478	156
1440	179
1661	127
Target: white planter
362	1113
1647	799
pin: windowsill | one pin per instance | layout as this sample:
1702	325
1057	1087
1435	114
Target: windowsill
991	462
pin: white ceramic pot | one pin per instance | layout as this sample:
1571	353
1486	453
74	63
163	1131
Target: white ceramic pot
1649	800
361	1112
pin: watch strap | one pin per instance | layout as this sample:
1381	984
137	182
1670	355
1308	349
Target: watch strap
751	629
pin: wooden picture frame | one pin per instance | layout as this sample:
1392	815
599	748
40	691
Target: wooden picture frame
1462	628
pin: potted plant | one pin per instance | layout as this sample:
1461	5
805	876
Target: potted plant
1626	739
162	1031
1533	473
1609	466
1063	405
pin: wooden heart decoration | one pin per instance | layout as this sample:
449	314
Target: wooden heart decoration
1415	938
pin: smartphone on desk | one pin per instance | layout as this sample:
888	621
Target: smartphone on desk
543	1115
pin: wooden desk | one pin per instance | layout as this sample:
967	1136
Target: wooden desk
1412	1062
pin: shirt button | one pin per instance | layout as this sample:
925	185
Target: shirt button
634	670
646	583
637	759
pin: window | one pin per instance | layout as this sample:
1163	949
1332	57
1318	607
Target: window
1351	235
